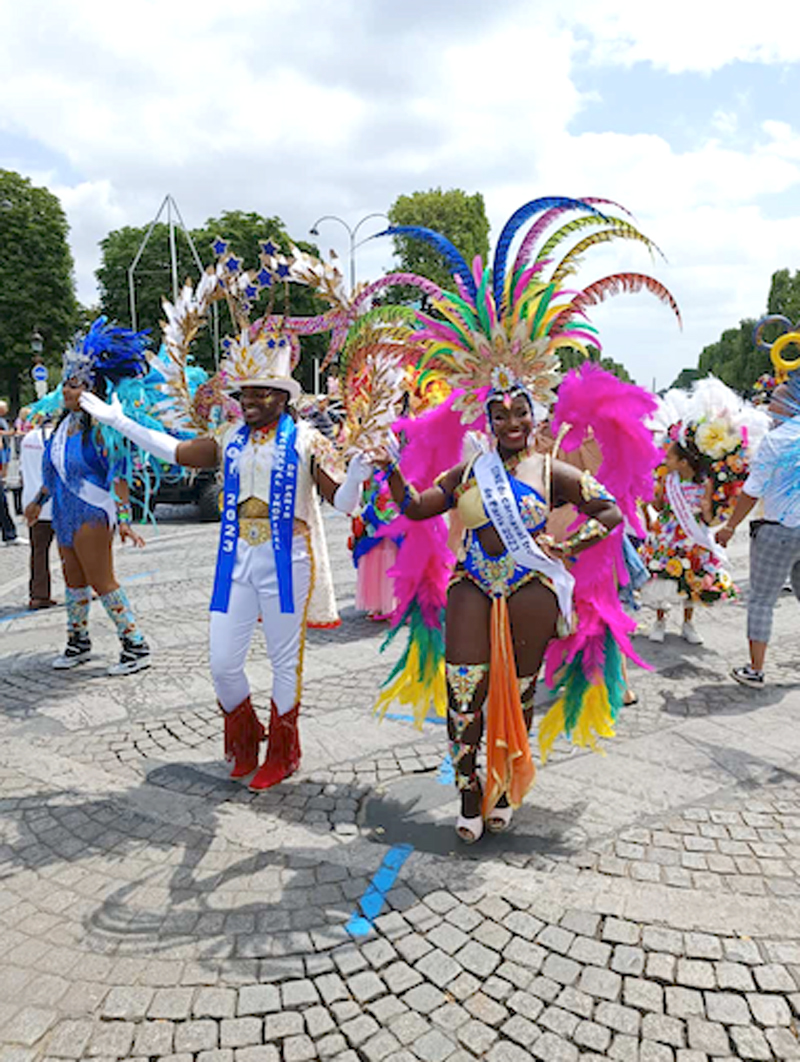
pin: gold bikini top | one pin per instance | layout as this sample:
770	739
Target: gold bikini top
472	512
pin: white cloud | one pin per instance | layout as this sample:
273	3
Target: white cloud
313	108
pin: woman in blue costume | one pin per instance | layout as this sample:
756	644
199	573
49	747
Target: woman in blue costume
487	572
83	474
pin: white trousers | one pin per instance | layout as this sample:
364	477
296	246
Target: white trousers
254	592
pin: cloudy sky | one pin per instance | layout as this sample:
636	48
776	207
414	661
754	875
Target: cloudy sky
686	113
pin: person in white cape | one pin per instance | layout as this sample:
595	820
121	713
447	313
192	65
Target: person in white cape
266	562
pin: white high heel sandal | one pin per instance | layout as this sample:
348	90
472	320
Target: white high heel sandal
499	819
469	830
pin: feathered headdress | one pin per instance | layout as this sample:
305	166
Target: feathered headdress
106	352
499	333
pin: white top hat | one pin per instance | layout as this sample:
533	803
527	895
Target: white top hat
265	360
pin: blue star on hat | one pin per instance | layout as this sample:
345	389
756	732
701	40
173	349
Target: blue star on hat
269	248
219	247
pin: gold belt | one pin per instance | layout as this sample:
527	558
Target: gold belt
256	530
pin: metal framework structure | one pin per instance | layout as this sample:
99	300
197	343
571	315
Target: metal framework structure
173	215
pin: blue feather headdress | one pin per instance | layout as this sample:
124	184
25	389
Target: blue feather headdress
106	353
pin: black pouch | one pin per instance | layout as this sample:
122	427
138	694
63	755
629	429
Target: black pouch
756	525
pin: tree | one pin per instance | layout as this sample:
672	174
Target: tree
153	278
454	214
37	288
734	358
571	359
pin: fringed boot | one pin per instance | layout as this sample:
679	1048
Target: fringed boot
243	732
283	749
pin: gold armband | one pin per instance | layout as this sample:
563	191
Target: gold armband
593	490
591	531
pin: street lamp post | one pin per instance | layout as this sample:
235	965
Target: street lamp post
352	232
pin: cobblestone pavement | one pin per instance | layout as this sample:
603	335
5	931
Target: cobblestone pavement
644	906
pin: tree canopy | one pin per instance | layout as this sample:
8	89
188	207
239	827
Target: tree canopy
734	358
454	214
153	278
37	288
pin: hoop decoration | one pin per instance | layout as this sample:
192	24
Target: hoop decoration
783	367
770	318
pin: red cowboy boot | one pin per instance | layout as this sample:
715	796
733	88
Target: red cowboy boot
243	732
283	750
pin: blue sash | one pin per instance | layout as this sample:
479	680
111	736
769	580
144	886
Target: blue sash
229	535
282	498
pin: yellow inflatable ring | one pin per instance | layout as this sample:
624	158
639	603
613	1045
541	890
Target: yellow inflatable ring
783	367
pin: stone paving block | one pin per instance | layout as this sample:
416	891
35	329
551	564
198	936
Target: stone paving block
624	1048
774	978
217	1054
734	976
285	1023
409	1027
264	1053
684	1002
769	1010
727	1008
507	1052
561	970
552	1048
450	1017
492	935
702	946
111	1039
214	1003
628	960
708	1037
620	931
544	988
523	953
621	1019
154	1038
475	1036
28	1025
657	938
559	1021
591	951
128	1003
696	973
576	1002
302	993
685	1054
784	1043
412	947
554	938
650	1051
380	1045
494	987
438	967
382	1010
521	1030
601	984
590	1035
476	958
527	1005
466	985
241	1032
255	999
515	974
522	924
433	1046
345	1010
664	1029
661	967
448	938
331	987
464	918
485	1009
71	1037
644	995
174	1004
358	1030
750	1043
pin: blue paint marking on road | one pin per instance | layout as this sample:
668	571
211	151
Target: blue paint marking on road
398	717
16	615
138	575
446	774
370	904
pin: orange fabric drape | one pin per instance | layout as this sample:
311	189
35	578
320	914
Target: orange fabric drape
509	765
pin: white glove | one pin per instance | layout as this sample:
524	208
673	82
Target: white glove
348	494
158	443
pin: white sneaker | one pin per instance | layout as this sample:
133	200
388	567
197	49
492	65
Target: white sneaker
658	631
690	634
